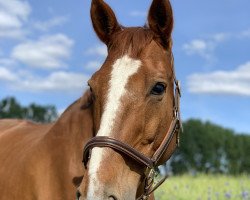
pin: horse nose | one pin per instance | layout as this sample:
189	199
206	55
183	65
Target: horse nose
112	197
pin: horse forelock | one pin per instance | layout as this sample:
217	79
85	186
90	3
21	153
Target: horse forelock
131	41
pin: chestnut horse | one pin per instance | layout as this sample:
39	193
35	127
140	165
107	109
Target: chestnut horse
131	99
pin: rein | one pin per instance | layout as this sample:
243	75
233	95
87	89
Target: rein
150	164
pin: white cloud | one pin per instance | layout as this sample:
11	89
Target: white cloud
195	46
235	82
137	13
13	34
17	8
47	25
100	50
9	21
48	52
6	75
245	34
205	47
200	47
221	37
57	81
13	15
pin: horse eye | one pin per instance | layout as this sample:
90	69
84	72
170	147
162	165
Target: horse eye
158	89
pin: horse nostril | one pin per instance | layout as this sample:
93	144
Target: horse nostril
78	195
112	197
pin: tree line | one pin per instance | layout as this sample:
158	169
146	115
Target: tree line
12	109
209	148
204	147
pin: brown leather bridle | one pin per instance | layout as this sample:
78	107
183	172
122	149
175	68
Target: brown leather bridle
150	164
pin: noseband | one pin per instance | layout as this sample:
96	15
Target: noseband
150	164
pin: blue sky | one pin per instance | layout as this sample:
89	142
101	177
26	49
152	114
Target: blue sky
48	51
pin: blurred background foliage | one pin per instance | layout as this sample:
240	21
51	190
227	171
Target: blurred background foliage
10	108
204	148
210	148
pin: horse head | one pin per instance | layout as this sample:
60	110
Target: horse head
133	100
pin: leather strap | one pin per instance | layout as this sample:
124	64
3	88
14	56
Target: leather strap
174	129
121	147
103	141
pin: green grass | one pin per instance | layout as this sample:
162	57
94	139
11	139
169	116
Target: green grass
205	187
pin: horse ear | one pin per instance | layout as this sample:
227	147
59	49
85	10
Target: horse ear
104	20
160	21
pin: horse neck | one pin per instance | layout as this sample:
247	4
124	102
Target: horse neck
73	129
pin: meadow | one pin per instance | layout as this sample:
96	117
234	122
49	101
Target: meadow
205	187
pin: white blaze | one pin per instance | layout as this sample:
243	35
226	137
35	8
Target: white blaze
122	70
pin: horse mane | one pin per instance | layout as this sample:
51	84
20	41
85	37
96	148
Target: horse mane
131	40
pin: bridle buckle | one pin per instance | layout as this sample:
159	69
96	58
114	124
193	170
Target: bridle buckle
150	184
149	181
